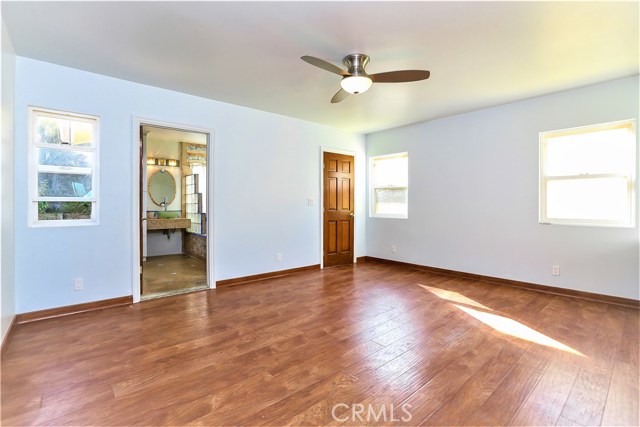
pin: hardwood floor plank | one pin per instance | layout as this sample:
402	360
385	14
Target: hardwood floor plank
426	400
621	408
586	401
544	405
585	404
400	378
630	345
477	389
562	421
512	391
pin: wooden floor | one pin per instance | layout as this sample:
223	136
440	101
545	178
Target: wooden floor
172	273
340	346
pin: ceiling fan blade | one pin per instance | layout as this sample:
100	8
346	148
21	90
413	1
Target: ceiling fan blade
339	96
400	76
320	63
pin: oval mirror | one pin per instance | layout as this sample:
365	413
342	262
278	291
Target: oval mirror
162	188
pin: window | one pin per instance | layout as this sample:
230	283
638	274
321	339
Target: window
389	186
201	171
195	200
587	175
63	168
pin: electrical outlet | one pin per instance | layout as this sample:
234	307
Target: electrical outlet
77	284
278	257
555	270
394	249
311	201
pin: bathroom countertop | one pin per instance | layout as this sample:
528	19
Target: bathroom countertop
168	223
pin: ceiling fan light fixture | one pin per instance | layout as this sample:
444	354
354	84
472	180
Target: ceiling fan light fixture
356	84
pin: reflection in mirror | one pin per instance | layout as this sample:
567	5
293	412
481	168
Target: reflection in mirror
162	188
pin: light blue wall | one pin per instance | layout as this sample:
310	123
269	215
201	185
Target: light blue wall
473	196
7	259
265	167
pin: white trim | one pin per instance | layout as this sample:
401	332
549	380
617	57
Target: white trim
68	170
135	201
321	198
33	169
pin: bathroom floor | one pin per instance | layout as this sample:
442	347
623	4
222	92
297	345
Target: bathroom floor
172	274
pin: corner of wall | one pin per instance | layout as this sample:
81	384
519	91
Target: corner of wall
7	240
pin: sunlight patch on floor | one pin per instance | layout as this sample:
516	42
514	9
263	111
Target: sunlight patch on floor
453	296
516	329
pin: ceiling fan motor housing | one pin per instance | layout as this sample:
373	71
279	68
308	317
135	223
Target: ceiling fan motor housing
355	64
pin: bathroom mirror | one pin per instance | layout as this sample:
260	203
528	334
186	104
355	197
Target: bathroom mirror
162	187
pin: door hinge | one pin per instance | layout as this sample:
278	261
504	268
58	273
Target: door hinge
140	269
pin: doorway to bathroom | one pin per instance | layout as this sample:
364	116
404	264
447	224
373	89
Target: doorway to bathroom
174	208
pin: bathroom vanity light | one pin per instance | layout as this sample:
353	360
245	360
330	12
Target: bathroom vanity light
162	162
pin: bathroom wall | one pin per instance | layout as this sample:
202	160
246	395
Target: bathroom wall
166	150
195	245
159	243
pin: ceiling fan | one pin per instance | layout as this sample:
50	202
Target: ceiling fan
356	80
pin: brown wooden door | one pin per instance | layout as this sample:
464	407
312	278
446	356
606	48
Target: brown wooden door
338	209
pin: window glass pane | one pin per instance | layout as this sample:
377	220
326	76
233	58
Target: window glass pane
593	198
390	172
55	157
64	185
48	211
50	130
390	201
605	151
196	223
201	172
81	133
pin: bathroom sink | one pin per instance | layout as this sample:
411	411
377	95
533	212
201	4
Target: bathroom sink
168	215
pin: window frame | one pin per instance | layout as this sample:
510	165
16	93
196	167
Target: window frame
372	187
33	169
630	220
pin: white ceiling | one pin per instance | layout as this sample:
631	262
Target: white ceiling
161	134
248	53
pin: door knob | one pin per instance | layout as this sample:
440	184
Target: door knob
351	214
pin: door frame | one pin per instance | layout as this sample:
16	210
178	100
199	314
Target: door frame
136	216
323	150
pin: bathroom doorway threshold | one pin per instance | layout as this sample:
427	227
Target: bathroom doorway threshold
173	292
